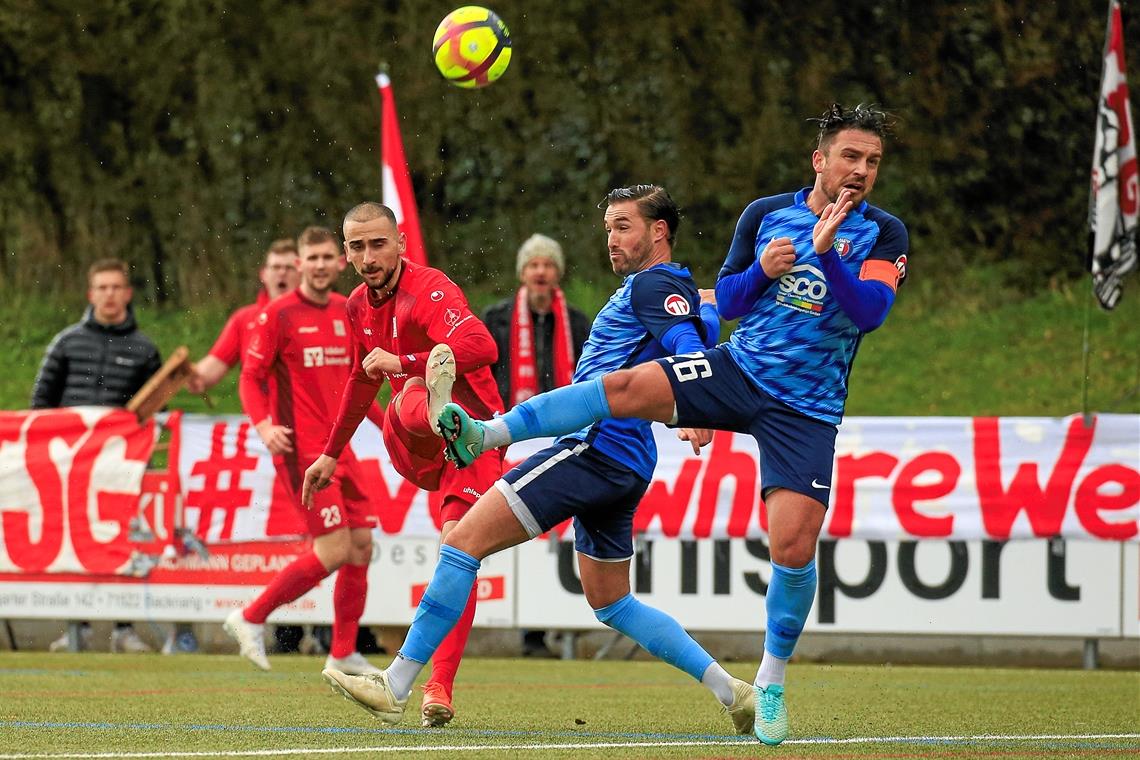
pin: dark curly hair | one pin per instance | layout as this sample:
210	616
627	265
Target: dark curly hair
864	117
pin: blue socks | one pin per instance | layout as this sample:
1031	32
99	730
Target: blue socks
660	634
558	412
442	604
790	596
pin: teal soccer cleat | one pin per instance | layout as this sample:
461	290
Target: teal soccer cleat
464	436
771	714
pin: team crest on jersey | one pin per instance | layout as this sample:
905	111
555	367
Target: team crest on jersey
338	327
842	246
262	318
677	305
436	295
367	330
451	317
900	264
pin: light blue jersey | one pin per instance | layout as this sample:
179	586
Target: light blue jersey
628	331
796	343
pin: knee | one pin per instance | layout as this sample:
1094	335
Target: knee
793	551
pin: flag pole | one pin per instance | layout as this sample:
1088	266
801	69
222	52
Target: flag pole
1086	413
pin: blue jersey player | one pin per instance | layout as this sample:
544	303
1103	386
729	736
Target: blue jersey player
595	475
809	273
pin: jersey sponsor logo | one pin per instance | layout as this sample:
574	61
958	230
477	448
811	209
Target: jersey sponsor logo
451	317
842	246
436	295
802	289
338	327
900	264
677	305
313	356
307	329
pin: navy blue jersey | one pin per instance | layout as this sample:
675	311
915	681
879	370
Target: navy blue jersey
796	343
627	331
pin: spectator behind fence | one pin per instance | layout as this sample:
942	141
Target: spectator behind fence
102	360
540	338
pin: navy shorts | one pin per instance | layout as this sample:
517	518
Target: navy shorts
711	391
570	479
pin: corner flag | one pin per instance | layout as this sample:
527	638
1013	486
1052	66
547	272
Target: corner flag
1115	194
397	193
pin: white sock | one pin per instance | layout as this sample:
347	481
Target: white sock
495	433
717	680
402	674
771	670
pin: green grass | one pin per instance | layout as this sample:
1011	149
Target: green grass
974	349
79	705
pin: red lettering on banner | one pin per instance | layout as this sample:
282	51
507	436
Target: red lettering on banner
907	491
669	505
1045	507
214	496
391	507
1089	501
725	463
29	555
850	468
106	556
486	589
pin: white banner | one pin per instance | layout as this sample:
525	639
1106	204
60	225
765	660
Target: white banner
895	478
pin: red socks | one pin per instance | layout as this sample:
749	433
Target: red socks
445	661
413	411
302	574
348	605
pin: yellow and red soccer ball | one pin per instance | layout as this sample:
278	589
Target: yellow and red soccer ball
472	47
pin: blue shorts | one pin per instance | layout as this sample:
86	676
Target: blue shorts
796	451
570	479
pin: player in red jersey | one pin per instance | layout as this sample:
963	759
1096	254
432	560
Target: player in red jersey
398	316
278	276
302	342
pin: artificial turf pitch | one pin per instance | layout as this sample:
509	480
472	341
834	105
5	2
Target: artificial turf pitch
118	706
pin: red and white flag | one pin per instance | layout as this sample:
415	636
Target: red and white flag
1115	193
397	189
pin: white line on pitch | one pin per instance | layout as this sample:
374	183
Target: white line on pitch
574	746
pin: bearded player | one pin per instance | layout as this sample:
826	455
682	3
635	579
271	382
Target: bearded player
397	317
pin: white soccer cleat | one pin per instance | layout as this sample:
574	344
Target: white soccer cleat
353	665
127	641
439	377
743	707
250	638
372	693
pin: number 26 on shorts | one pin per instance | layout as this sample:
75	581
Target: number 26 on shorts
690	367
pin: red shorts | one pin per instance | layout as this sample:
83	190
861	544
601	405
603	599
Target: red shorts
342	504
416	452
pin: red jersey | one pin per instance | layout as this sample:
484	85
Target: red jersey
305	347
234	339
426	308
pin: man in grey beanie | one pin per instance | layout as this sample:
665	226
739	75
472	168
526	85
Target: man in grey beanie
539	344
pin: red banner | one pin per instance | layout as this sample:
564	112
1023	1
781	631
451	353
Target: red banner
70	481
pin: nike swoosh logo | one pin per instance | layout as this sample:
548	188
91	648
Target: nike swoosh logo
817	484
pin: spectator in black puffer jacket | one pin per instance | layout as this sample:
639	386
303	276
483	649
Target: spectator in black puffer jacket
101	361
104	359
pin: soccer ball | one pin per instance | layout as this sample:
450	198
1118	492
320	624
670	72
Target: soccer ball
472	47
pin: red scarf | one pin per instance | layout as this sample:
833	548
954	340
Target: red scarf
524	367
